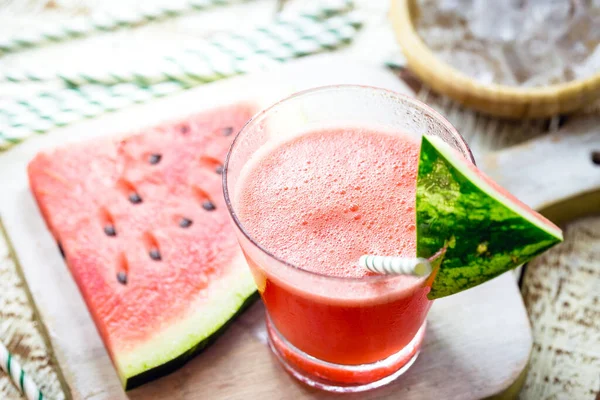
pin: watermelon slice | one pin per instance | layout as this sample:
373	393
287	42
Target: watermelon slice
486	230
142	224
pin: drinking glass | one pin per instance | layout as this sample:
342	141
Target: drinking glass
334	333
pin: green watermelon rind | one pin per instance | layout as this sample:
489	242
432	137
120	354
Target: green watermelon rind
188	335
486	232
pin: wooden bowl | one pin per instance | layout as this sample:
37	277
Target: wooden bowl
497	100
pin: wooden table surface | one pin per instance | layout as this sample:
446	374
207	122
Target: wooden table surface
561	291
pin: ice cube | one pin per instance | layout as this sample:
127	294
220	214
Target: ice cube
479	67
496	21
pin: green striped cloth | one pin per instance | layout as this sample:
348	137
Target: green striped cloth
90	94
79	27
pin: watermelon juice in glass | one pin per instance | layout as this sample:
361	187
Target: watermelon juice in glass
313	183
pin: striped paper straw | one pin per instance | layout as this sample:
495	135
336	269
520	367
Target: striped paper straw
79	27
389	265
21	380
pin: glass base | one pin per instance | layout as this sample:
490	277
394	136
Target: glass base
342	378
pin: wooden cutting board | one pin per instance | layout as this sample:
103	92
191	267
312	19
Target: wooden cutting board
478	342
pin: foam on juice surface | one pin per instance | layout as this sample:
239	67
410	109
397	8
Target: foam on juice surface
323	199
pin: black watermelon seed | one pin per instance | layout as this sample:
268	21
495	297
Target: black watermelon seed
110	230
208	205
122	277
135	198
219	170
185	223
155	255
184	128
596	157
227	131
62	251
154	159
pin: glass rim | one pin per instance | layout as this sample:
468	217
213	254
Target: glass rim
322	89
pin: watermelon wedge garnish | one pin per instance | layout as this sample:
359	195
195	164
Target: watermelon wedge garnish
486	230
145	233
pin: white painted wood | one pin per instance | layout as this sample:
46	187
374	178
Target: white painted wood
562	292
551	168
478	341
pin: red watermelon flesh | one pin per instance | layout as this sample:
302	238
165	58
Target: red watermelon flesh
146	235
